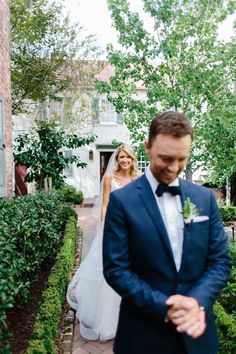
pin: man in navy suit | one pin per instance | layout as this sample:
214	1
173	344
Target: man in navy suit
167	263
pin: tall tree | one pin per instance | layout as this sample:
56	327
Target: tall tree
182	65
44	44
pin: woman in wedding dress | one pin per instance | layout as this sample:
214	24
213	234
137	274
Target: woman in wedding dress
95	302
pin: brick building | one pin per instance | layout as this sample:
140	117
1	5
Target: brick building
6	157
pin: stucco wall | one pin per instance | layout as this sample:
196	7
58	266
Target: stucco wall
5	91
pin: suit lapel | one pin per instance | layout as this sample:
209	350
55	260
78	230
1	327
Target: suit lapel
149	201
185	190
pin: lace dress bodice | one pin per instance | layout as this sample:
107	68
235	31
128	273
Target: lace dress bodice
114	185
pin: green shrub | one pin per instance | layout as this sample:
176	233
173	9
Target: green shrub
227	297
228	213
30	232
49	313
68	211
225	310
232	251
37	347
69	194
226	326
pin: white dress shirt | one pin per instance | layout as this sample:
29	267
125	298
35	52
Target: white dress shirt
170	208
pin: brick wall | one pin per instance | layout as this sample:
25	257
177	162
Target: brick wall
5	90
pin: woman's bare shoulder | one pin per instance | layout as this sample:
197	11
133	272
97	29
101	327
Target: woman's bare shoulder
108	178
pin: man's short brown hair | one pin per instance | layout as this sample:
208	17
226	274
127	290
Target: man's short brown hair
170	123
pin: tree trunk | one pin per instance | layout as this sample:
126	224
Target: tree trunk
228	193
189	172
47	184
233	188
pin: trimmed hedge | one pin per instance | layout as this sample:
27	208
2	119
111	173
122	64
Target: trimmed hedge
31	229
49	313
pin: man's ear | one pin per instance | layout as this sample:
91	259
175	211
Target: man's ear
147	146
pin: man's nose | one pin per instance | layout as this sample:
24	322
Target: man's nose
174	166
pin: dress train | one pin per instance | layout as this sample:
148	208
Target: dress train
96	303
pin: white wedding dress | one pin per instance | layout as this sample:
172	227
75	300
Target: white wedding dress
96	303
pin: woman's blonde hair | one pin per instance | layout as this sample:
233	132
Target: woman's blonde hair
128	149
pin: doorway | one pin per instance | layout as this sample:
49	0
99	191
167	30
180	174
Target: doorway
104	159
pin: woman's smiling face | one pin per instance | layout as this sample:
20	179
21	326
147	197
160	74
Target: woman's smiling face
124	160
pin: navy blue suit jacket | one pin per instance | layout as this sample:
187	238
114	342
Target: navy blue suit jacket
139	265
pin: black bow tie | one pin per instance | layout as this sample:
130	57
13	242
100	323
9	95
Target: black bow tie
162	188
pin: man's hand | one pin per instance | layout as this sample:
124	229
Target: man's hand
187	315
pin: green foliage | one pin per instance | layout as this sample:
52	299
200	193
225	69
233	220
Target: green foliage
37	347
140	152
228	294
116	143
217	131
190	210
228	213
40	152
68	212
30	233
182	66
68	194
225	310
49	313
43	41
232	252
226	326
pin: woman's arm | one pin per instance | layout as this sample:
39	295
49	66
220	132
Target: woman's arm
106	193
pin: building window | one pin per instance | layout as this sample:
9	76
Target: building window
68	172
57	108
107	113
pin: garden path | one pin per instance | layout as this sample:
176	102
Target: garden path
80	344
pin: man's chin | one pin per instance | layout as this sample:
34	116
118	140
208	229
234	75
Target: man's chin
167	180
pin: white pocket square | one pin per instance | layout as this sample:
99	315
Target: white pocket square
200	218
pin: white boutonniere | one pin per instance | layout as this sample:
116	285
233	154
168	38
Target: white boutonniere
190	211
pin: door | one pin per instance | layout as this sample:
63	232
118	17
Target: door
2	153
20	185
104	158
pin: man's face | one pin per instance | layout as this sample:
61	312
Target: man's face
168	156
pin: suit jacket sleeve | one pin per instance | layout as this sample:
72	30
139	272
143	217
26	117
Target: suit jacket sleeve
218	263
117	265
